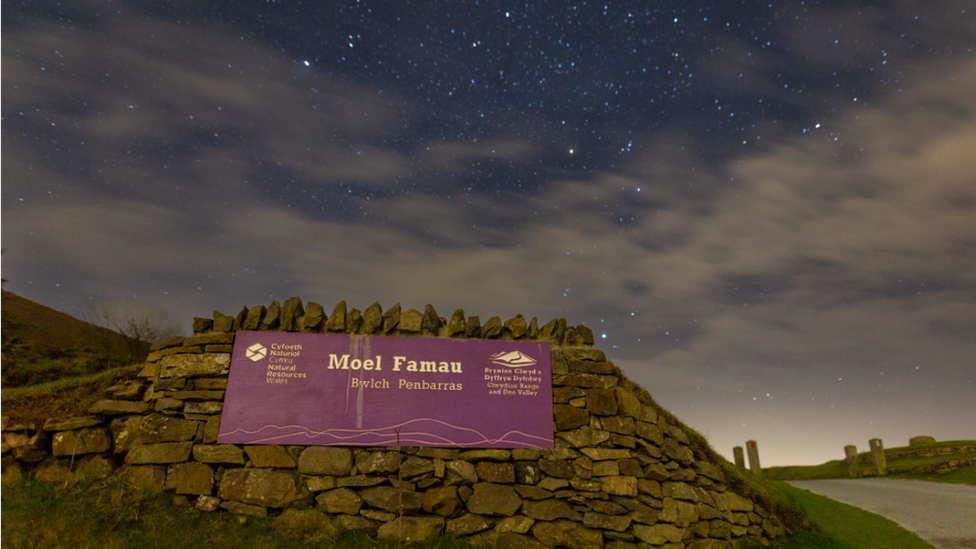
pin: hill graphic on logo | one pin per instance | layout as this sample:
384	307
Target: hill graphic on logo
512	359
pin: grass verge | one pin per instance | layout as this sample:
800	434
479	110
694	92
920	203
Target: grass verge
835	525
111	516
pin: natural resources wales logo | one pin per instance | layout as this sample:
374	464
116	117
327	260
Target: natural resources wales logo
256	352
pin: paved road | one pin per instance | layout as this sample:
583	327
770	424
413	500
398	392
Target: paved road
941	514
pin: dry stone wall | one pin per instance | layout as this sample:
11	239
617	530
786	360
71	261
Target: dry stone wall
622	475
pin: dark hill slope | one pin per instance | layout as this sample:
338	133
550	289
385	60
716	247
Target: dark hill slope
41	344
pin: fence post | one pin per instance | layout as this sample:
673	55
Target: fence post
878	456
753	457
740	460
850	452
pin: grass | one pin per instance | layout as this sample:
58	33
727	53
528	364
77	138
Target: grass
111	516
962	475
903	462
835	525
62	398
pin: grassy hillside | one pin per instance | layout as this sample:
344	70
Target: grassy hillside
940	462
41	345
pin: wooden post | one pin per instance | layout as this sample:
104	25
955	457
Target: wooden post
850	452
878	456
740	461
753	452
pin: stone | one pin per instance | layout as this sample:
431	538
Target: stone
165	403
239	508
472	328
583	437
119	407
455	327
190	478
271	318
391	318
585	381
533	493
150	478
373	318
151	429
605	469
707	469
557	468
565	533
291	310
680	490
920	440
218	453
82	441
271	457
174	341
164	452
601	402
192	365
254	317
516	326
569	417
314	318
354	321
616	523
411	321
377	515
415	467
197	395
431	323
71	423
265	487
677	452
619	486
492	329
204	408
459	472
208	504
388	498
549	510
492	454
413	529
527	472
679	512
222	322
211	430
658	534
359	481
383	463
201	325
442	500
501	473
494	500
584	485
466	525
325	460
318	484
337	320
339	501
618	424
209	339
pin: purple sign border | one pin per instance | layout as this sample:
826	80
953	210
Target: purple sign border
348	390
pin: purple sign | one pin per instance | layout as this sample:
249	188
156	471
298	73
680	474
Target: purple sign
323	389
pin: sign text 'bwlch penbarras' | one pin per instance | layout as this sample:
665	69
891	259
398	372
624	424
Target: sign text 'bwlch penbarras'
329	389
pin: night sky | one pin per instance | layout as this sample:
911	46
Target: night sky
766	212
